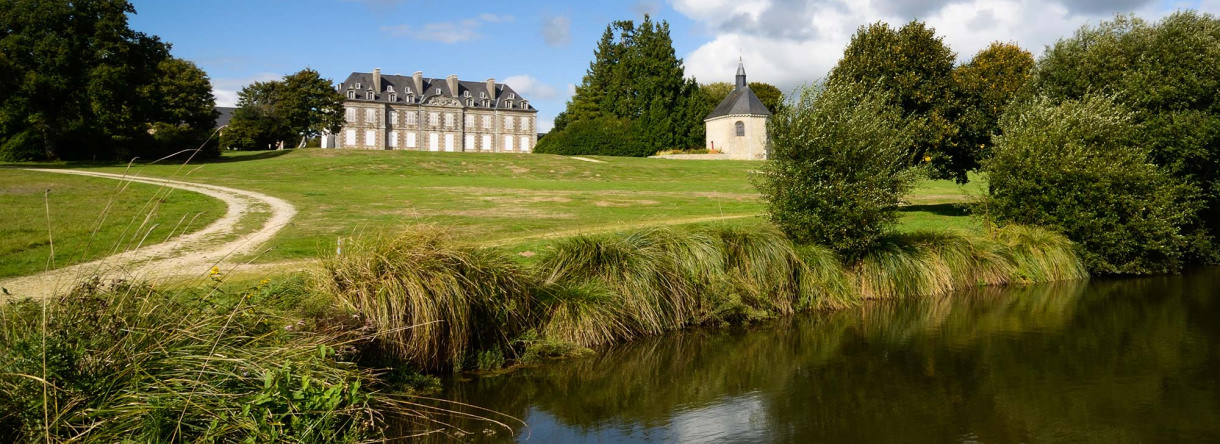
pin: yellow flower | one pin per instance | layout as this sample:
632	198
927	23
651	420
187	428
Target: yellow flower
215	271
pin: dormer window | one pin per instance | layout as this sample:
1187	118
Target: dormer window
357	85
438	91
351	93
466	93
410	97
469	102
389	88
512	96
368	95
486	104
393	97
482	95
525	105
407	89
509	104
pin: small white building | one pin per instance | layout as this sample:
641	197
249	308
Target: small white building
738	125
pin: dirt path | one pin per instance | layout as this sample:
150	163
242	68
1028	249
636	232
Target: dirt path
189	255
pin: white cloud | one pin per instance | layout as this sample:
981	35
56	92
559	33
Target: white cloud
793	42
447	32
556	30
531	88
226	89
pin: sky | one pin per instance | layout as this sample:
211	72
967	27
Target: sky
543	48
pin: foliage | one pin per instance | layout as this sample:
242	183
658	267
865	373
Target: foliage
836	171
1158	72
913	69
985	86
602	136
120	362
80	84
301	106
1076	166
635	76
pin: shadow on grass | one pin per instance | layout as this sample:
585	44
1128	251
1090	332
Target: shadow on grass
944	209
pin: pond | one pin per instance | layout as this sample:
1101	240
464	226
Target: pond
1106	360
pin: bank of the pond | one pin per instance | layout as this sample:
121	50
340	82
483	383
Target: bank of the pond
316	359
441	305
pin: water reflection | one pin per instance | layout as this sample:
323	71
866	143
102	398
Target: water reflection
1101	361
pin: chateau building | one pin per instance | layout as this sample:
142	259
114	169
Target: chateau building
738	125
392	112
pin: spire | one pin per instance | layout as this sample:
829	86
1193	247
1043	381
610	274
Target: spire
741	74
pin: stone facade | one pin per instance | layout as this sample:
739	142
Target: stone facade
394	112
738	125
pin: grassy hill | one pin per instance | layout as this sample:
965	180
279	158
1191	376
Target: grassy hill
514	200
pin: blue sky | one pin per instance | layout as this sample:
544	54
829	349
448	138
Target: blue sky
542	48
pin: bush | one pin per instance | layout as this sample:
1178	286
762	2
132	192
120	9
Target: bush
837	169
1075	167
605	136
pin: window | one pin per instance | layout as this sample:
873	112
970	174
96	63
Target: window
370	137
508	143
466	93
370	115
525	144
525	123
434	119
411	118
469	102
449	143
508	122
410	140
486	122
351	93
486	142
393	139
393	97
410	98
511	96
469	143
509	104
486	104
351	114
432	145
389	88
393	117
448	120
357	85
482	95
438	91
349	137
469	120
368	95
525	105
741	128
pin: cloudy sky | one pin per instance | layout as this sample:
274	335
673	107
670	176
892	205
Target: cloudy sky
542	48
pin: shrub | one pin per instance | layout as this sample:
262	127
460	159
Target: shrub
605	136
836	170
1076	168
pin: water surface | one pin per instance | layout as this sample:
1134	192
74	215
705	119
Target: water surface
1116	360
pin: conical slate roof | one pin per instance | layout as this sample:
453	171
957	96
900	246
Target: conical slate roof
741	101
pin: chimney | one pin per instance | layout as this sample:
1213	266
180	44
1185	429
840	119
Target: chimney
418	78
491	89
453	84
377	80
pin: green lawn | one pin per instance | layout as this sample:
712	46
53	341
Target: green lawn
515	200
80	226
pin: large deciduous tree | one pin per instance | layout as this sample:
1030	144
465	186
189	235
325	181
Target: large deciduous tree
914	69
1166	74
301	106
78	83
985	87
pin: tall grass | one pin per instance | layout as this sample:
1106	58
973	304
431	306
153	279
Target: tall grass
430	302
124	363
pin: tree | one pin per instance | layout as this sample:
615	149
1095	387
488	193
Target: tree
299	107
183	113
914	68
72	72
1077	166
635	75
837	168
1159	72
985	87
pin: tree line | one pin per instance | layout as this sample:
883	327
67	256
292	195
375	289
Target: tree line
1111	137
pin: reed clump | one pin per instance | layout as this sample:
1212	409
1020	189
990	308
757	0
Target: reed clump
429	301
932	263
125	363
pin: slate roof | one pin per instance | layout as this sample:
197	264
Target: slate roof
403	84
741	101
